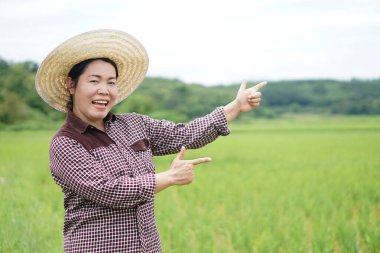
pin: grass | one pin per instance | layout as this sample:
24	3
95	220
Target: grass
305	184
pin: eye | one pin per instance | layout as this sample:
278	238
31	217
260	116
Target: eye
112	83
94	81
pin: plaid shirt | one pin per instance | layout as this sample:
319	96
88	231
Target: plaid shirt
108	178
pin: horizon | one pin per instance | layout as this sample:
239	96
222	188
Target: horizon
251	82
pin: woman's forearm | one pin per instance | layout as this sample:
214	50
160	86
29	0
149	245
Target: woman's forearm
231	111
163	181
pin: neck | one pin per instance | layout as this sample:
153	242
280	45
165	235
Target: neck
100	126
98	122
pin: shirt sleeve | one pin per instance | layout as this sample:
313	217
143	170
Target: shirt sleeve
167	137
73	167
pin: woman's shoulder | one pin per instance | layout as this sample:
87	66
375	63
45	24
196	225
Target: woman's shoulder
131	118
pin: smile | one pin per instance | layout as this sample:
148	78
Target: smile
100	102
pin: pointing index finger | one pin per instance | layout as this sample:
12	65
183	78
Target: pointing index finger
259	85
200	160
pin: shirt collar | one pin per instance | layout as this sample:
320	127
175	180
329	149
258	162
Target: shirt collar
80	126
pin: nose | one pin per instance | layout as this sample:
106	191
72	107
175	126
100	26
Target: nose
103	91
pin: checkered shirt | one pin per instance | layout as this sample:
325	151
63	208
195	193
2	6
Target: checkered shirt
108	178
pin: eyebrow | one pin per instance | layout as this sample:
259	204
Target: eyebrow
99	76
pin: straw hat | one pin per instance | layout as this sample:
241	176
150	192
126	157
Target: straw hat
127	52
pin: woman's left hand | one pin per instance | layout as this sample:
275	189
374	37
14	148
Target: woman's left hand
248	99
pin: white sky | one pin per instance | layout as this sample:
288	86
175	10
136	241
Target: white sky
211	42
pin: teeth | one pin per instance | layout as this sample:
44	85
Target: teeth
100	102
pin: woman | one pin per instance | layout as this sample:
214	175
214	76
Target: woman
103	162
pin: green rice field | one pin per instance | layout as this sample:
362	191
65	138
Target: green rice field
300	184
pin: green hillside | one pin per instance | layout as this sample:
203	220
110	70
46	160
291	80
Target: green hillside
21	107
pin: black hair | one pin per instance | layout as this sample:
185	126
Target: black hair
78	69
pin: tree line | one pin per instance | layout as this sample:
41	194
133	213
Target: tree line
176	100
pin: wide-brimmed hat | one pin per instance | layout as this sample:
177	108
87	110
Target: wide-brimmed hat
126	51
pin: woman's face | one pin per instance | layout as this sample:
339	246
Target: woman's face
95	93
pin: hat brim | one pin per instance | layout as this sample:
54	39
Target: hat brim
127	52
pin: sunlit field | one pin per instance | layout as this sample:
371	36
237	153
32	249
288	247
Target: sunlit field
306	184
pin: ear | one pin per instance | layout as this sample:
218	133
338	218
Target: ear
70	85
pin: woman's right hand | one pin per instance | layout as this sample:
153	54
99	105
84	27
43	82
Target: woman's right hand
181	171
